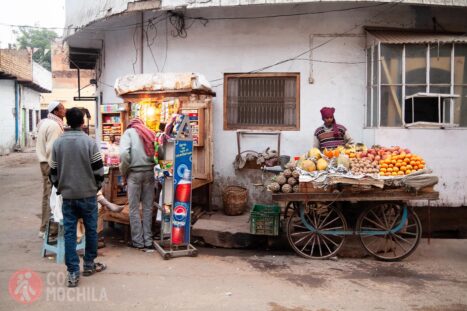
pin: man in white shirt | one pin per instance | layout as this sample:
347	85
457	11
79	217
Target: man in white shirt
49	130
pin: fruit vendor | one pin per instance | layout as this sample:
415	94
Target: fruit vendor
330	134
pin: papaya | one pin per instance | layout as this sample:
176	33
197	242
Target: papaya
322	164
308	165
314	153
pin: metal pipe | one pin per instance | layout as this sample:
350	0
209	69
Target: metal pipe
17	114
79	83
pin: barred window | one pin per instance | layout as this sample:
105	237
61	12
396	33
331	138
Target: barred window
416	85
262	101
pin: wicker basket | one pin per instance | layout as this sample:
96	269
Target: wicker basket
234	199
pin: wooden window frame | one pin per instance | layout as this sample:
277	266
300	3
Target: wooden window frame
295	75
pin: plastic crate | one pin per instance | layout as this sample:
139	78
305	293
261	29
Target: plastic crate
264	219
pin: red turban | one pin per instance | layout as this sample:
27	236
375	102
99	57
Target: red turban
327	112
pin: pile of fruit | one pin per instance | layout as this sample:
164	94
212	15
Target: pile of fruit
358	159
287	181
400	163
312	161
355	159
360	166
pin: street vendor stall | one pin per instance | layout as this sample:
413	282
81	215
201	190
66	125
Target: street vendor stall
319	188
157	99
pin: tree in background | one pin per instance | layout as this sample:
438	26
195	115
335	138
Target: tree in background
39	40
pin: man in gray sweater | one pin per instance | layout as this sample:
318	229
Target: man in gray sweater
77	172
137	165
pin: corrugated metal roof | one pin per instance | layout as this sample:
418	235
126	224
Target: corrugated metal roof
400	37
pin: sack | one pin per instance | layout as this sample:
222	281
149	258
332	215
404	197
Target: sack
56	202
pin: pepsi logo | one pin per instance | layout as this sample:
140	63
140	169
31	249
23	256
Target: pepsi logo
179	213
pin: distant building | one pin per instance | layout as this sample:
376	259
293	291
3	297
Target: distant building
65	83
21	83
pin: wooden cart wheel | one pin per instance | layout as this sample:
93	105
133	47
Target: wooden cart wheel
314	230
389	231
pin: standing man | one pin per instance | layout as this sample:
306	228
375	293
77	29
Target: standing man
330	135
49	130
137	165
77	172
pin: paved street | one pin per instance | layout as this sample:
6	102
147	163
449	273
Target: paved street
434	278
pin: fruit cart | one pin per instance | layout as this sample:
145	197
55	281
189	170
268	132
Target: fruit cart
387	227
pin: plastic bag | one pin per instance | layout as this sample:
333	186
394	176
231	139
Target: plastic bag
56	202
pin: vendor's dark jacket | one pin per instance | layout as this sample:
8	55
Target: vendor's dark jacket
76	168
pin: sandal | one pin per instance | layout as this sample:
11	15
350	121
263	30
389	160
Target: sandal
72	280
98	267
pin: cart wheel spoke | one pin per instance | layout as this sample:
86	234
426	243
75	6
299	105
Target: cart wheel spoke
377	219
313	246
398	243
401	238
306	244
376	224
325	244
319	246
330	222
303	238
320	225
388	245
300	233
330	240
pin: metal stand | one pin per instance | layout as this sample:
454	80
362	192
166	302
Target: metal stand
165	245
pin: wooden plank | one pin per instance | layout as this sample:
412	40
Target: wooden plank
198	183
352	181
382	195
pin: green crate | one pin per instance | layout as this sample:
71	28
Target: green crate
264	219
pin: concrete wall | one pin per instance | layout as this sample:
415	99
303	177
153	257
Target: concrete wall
7	118
245	45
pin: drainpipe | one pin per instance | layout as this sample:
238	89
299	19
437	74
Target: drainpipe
17	113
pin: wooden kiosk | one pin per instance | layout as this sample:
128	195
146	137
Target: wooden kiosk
155	98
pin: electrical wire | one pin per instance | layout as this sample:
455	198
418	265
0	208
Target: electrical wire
136	50
393	4
286	15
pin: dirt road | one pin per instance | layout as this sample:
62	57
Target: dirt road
434	278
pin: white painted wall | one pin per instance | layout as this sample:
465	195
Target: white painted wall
30	99
246	45
7	118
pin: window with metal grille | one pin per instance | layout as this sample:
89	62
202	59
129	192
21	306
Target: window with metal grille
262	101
417	85
31	121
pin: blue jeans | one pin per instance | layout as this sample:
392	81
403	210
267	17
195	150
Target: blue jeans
73	209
